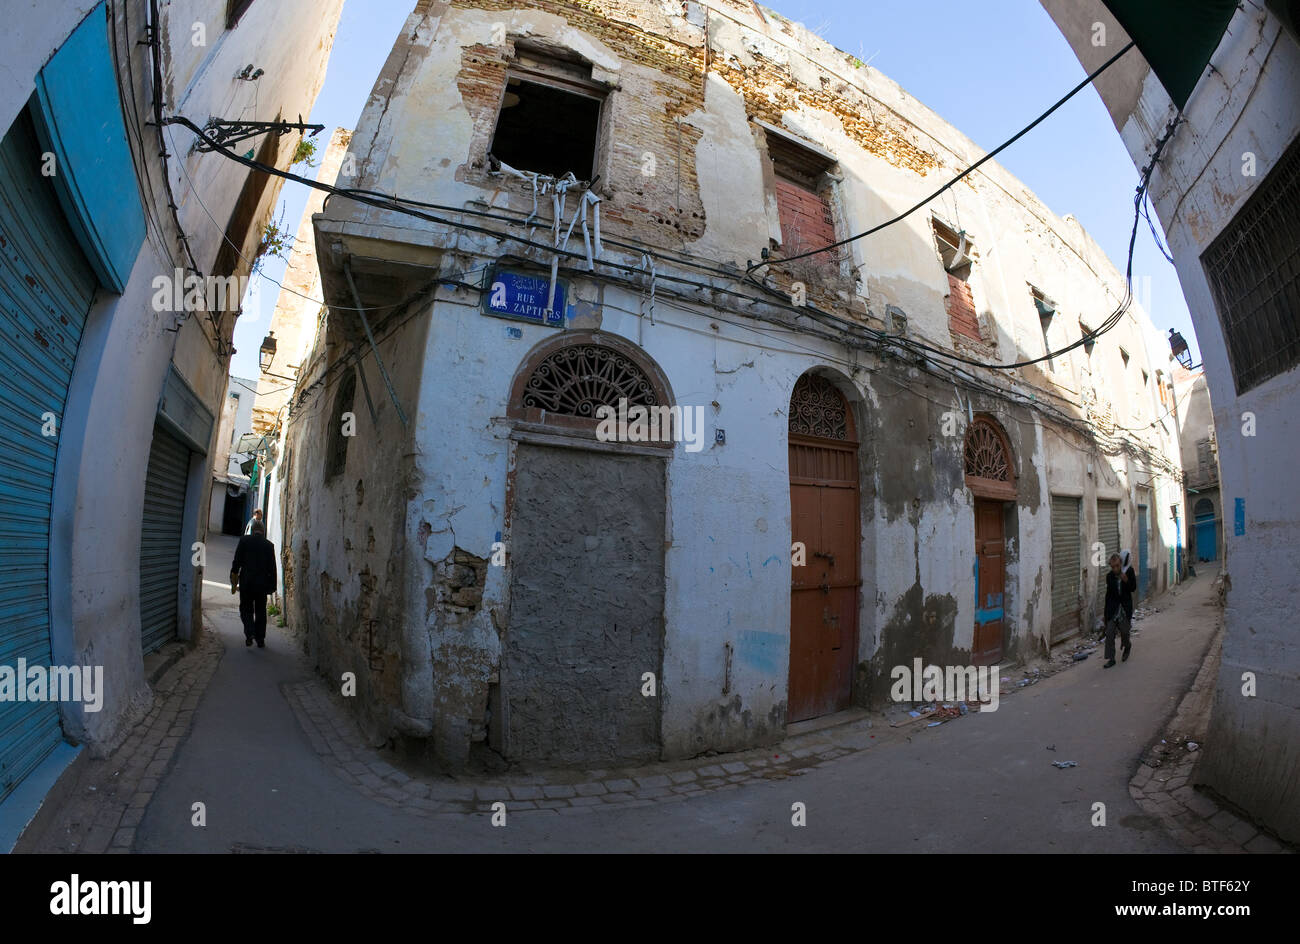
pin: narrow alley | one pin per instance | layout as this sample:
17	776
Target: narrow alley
275	778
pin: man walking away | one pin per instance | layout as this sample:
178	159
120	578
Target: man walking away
253	575
1120	586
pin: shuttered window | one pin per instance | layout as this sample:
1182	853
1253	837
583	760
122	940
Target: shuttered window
46	288
1065	566
807	220
1107	534
160	538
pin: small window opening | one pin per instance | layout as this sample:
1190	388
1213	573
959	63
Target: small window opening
336	458
235	10
1124	357
955	249
1089	342
549	119
1046	312
807	220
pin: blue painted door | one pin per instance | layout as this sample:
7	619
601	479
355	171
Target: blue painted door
46	287
990	582
1143	565
1207	543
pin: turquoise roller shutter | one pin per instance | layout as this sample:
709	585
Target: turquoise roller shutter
46	288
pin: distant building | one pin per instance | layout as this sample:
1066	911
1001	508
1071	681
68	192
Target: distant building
295	324
232	501
124	255
1200	450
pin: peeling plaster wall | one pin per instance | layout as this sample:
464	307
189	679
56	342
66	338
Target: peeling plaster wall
347	561
425	134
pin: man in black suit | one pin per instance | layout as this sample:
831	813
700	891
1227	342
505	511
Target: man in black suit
253	575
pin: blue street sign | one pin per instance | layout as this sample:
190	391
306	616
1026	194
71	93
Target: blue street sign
523	297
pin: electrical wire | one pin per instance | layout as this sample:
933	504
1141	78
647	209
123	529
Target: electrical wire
407	207
969	170
225	238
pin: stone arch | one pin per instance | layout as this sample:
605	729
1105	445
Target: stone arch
988	461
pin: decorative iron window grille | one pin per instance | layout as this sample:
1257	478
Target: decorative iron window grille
576	380
1253	268
986	454
818	409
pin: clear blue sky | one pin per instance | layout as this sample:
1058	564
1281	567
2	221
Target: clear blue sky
987	68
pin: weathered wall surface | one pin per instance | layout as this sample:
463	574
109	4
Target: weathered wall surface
346	555
1247	105
128	343
710	199
586	607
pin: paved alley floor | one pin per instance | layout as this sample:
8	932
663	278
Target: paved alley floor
279	767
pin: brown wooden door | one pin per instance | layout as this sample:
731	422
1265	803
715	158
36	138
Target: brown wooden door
990	582
824	592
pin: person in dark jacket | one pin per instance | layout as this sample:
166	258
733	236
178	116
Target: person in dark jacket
253	575
1121	584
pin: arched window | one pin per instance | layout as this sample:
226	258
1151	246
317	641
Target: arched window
818	409
1203	508
579	378
566	380
337	456
990	472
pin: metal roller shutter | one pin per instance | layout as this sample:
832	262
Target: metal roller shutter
1065	567
46	287
160	537
1107	534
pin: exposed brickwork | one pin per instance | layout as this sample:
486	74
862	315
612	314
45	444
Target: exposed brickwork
962	318
806	221
663	207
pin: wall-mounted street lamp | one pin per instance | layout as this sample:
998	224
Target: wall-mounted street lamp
1178	348
266	353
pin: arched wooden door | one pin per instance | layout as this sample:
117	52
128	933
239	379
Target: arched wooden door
991	478
824	520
